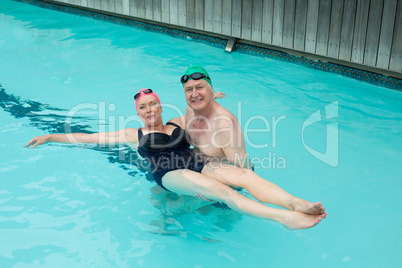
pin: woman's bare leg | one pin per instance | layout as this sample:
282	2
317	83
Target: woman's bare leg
191	183
261	189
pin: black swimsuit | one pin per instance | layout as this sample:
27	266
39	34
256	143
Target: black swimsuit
168	152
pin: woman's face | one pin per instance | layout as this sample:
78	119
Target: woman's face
149	110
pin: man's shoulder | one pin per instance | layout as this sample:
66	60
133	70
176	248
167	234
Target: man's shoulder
222	111
189	112
224	118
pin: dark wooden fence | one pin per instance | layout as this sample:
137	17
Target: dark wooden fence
366	32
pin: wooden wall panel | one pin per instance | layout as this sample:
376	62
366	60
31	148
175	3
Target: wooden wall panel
174	13
111	7
289	23
97	4
373	32
277	27
267	20
165	10
118	5
396	51
149	13
209	15
217	15
126	7
190	14
360	32
199	14
335	29
256	21
227	17
349	11
246	9
386	34
181	12
103	4
141	8
133	8
312	25
157	10
300	25
324	19
236	18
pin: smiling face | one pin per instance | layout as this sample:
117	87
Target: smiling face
149	110
198	94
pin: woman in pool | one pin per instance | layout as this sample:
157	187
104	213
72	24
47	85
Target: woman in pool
176	168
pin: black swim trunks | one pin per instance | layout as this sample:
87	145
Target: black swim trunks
166	153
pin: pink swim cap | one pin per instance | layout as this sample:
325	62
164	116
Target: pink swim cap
142	92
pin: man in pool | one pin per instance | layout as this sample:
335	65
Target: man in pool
217	136
215	132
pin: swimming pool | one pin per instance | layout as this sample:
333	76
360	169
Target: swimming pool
80	206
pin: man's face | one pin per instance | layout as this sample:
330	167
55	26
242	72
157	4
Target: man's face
198	94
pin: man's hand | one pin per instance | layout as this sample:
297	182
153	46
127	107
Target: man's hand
219	94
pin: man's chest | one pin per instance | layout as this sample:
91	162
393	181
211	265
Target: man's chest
203	137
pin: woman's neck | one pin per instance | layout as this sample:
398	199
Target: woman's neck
157	126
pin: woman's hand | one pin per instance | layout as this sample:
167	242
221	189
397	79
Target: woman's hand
219	94
38	141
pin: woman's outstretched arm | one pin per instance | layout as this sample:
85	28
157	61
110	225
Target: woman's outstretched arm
120	136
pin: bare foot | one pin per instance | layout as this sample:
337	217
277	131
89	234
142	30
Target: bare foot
304	206
299	220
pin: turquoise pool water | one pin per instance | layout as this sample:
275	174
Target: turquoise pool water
84	206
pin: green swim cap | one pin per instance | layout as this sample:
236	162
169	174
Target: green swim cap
196	69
